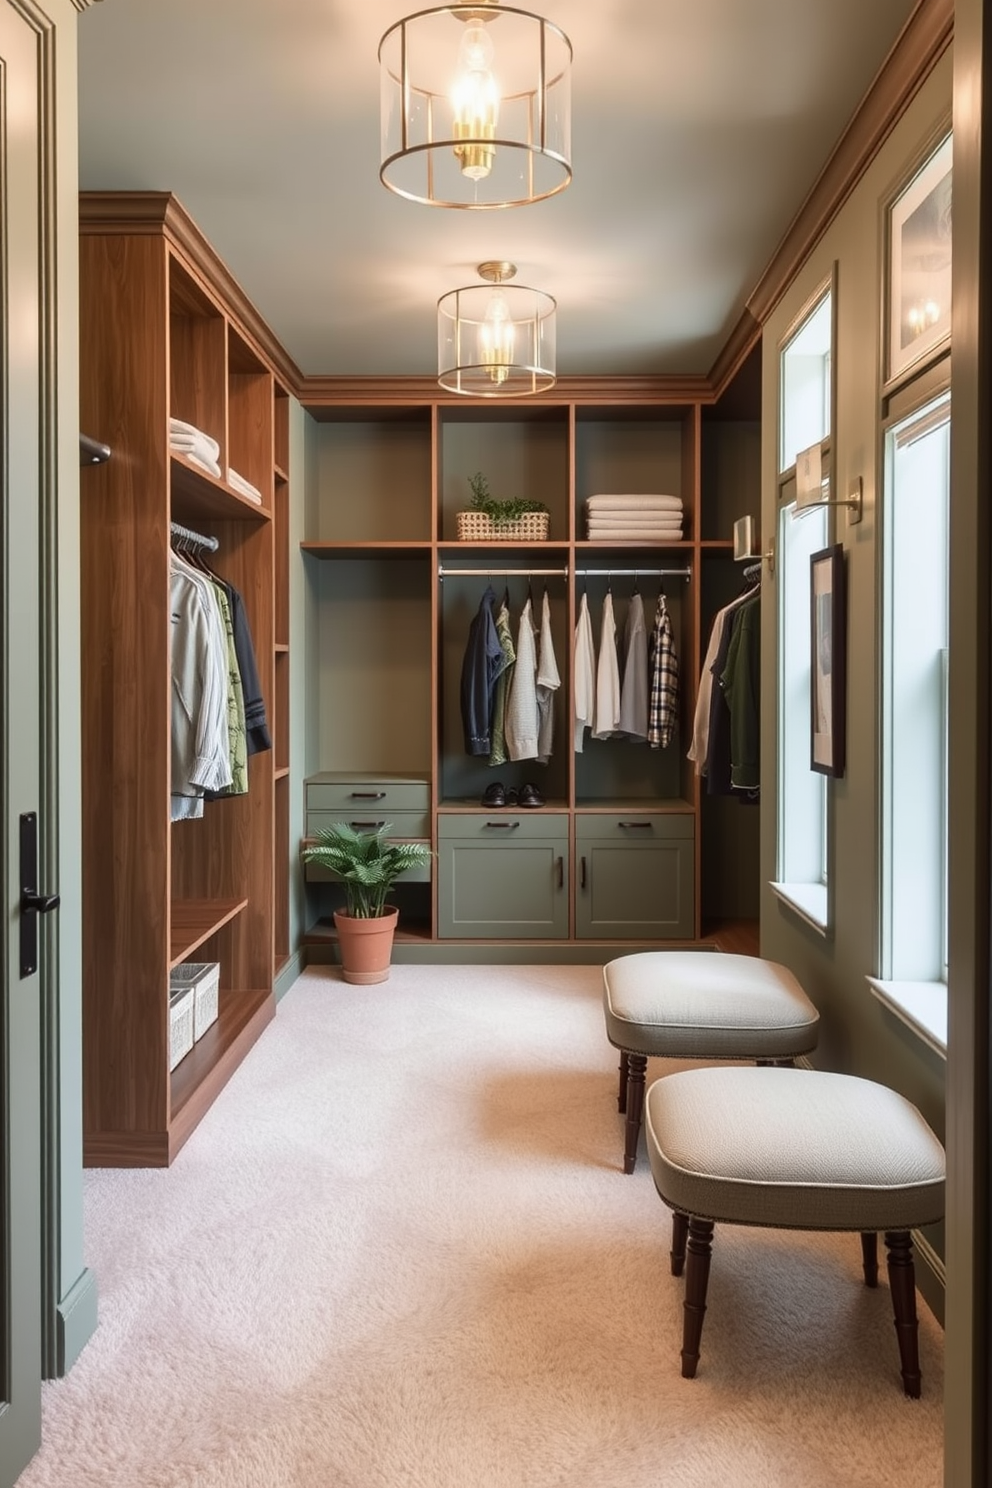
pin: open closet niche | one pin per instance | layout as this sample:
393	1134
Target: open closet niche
595	848
180	883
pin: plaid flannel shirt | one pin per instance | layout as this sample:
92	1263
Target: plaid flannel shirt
663	703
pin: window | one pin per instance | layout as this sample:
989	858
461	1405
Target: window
915	597
805	374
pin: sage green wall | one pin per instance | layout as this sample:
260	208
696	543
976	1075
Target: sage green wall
858	1035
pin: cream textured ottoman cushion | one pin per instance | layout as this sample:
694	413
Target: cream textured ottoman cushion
794	1149
699	1005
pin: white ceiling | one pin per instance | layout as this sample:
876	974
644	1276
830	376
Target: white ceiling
697	128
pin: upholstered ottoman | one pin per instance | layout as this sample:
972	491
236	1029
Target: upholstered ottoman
699	1005
793	1149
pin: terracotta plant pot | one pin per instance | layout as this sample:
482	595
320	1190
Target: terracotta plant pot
366	945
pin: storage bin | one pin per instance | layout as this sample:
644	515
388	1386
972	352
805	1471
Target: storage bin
476	526
180	1024
202	979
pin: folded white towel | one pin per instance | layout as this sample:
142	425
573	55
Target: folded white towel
645	519
244	486
640	503
638	535
667	529
185	436
210	466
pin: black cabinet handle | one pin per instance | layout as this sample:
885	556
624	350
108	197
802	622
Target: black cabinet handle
582	876
644	826
502	826
361	826
561	872
368	795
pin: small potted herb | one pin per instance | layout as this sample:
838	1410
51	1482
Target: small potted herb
516	519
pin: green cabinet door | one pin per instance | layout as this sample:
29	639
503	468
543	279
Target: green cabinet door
503	878
634	877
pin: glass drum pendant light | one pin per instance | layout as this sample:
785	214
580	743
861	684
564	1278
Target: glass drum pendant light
496	340
476	107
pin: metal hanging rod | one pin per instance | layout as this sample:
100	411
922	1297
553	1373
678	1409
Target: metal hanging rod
188	535
495	568
647	573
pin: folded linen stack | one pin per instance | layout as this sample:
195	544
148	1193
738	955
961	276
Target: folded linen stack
634	519
199	448
244	487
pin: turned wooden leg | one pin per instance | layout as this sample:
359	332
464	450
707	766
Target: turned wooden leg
869	1257
680	1231
622	1091
636	1066
902	1284
697	1276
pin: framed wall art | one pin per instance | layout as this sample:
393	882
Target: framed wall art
828	669
918	298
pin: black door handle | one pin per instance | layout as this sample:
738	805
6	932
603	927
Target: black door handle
32	903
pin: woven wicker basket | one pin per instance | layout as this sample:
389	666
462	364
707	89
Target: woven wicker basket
476	526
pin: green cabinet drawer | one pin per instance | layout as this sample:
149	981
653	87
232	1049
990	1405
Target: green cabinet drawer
400	823
500	825
502	882
635	883
632	826
371	794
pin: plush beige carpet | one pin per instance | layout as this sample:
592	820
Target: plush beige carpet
400	1252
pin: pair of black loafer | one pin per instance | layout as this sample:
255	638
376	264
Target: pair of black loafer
499	795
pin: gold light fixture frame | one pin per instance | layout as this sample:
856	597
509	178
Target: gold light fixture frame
429	156
509	354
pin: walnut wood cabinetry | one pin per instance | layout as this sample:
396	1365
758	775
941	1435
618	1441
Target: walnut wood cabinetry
165	333
388	625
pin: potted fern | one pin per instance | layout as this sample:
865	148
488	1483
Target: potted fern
367	864
516	520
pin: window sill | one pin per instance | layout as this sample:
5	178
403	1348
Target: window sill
922	1006
808	900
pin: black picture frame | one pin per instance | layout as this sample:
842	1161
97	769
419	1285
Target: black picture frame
828	661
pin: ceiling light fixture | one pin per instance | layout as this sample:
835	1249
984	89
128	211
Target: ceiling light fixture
496	340
476	107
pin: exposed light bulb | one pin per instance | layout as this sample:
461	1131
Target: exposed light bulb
496	337
475	100
922	315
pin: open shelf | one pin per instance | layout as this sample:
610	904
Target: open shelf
195	920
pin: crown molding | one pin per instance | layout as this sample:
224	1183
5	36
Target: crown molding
328	392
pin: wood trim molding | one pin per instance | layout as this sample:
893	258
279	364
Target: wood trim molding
159	212
734	352
920	45
329	392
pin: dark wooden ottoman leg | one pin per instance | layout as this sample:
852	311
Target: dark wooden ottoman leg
622	1091
869	1258
902	1284
680	1231
696	1280
636	1066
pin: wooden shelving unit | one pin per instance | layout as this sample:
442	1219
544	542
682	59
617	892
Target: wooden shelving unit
165	333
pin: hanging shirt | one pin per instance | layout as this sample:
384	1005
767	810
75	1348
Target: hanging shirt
634	689
741	683
522	719
548	682
199	664
699	748
607	675
585	674
497	752
482	664
664	704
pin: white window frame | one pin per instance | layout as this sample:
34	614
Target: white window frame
912	949
802	847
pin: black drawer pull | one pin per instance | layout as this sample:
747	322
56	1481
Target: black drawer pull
582	876
502	826
645	826
561	872
368	795
366	826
